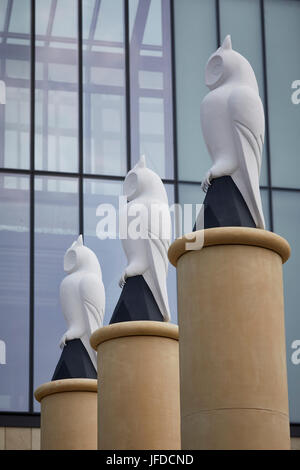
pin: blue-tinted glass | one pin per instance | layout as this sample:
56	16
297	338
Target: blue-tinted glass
151	85
171	279
104	87
15	72
20	17
283	64
65	19
109	251
286	209
3	10
56	95
266	207
195	41
56	227
241	19
192	195
14	292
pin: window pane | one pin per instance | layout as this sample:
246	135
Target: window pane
283	38
104	87
151	85
56	227
242	19
15	72
286	208
14	292
266	208
195	41
56	96
189	194
109	251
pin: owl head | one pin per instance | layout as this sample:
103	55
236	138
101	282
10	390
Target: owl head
227	65
80	257
143	182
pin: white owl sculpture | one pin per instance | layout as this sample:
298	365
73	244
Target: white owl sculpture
82	295
233	125
147	256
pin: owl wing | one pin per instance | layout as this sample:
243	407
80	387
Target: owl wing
248	123
92	294
157	255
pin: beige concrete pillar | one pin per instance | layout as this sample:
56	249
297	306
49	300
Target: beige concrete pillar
232	341
138	399
68	414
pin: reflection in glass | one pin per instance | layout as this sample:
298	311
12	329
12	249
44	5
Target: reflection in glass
15	72
56	96
195	39
282	40
14	292
246	39
109	251
104	87
190	194
56	227
286	209
266	207
151	84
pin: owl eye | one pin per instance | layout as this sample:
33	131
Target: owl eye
214	70
70	261
130	185
216	66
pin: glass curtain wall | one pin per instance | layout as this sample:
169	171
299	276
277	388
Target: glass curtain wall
267	33
88	89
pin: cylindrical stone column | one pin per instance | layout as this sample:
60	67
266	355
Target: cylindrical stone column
68	414
138	380
232	340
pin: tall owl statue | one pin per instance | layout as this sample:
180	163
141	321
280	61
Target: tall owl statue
144	280
82	298
233	125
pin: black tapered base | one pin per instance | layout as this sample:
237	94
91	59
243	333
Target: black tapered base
136	302
74	363
224	206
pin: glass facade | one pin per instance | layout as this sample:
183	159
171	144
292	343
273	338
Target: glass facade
267	33
84	99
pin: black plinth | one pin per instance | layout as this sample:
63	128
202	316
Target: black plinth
74	363
224	206
136	302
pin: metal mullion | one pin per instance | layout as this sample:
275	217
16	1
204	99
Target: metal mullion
80	119
218	23
173	72
166	92
3	70
127	82
32	208
267	136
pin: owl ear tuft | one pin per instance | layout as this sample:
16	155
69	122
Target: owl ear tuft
142	162
227	42
80	240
